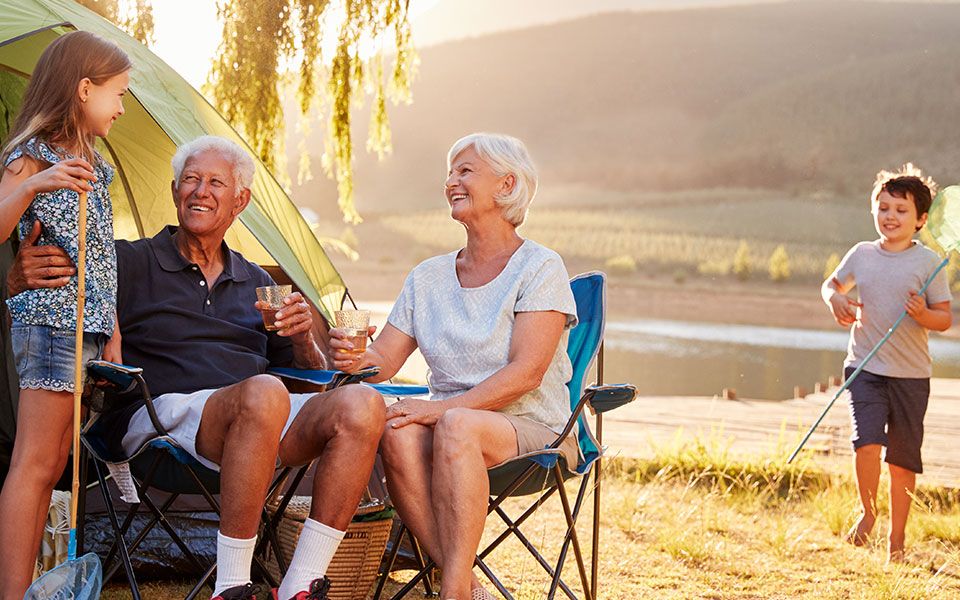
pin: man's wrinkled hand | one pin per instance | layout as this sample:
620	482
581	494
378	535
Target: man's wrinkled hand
294	319
37	267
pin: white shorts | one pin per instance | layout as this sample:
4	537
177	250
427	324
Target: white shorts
180	415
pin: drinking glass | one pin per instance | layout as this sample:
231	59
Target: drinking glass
272	295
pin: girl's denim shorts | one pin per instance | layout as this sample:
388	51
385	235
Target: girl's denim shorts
44	356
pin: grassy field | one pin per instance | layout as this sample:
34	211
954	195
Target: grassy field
692	523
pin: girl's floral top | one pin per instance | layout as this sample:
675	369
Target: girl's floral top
57	211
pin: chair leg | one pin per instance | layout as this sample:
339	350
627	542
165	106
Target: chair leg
595	553
205	580
114	522
493	578
428	576
387	565
572	535
534	552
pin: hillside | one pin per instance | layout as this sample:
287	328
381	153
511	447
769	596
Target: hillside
797	97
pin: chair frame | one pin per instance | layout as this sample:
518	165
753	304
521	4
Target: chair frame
164	448
599	398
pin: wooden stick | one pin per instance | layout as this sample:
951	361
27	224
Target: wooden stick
78	370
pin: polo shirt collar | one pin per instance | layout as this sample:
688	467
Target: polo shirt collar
170	259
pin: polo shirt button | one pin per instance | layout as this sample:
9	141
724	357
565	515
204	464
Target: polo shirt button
203	283
208	302
194	267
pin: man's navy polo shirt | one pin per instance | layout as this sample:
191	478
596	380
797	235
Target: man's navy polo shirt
186	335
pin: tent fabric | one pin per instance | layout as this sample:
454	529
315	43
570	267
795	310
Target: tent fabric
165	111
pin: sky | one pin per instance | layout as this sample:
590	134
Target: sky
187	44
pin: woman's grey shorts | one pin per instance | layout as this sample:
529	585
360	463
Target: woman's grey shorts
889	411
44	355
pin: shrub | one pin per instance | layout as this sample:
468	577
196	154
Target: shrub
623	264
741	261
831	265
779	265
714	267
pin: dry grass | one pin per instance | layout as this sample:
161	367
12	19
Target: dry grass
695	231
691	523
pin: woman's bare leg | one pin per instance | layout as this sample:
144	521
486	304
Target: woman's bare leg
466	442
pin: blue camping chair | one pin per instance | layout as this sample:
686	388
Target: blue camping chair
541	472
160	465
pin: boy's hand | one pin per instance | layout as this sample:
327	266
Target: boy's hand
916	306
844	309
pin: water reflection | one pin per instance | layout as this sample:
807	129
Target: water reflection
678	358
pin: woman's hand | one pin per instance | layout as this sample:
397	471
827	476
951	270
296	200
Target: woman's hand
346	357
73	174
409	410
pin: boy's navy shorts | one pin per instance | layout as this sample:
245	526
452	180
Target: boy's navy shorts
889	411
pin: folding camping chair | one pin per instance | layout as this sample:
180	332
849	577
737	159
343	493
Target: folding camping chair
540	471
161	465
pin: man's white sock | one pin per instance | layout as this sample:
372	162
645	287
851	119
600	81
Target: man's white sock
315	550
233	562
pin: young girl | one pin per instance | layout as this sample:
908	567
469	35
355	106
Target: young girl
74	96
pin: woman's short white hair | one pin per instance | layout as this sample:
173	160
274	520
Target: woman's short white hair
505	155
243	167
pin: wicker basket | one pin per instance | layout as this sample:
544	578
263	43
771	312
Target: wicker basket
355	565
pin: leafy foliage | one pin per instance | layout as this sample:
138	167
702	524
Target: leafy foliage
137	20
261	37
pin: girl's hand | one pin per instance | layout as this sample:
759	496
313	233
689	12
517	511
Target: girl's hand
345	356
111	350
916	305
408	410
72	174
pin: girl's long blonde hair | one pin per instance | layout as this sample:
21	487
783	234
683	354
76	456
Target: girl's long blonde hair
51	108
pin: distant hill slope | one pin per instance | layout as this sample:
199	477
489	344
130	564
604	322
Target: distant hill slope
796	96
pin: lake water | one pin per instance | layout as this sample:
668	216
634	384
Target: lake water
685	358
665	358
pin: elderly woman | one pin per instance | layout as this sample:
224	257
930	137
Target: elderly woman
491	320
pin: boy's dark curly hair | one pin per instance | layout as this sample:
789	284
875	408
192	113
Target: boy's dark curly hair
908	183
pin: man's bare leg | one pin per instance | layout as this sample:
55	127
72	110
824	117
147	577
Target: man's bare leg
240	430
341	428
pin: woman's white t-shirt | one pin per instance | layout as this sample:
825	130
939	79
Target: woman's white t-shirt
465	333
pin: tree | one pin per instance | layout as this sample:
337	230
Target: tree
260	37
136	20
741	261
779	265
833	261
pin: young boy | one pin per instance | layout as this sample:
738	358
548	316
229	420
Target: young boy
889	397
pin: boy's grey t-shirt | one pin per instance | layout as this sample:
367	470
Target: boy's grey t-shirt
883	281
465	333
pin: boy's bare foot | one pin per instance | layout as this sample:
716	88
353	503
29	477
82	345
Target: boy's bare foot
859	534
896	556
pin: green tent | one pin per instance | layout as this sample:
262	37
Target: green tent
162	111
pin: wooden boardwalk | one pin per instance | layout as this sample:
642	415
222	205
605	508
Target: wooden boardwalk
751	427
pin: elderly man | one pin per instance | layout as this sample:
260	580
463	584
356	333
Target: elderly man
187	316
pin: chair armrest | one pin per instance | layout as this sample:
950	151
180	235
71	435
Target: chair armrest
125	378
400	389
323	378
603	398
121	376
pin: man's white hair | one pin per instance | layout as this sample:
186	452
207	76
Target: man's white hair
243	166
505	155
